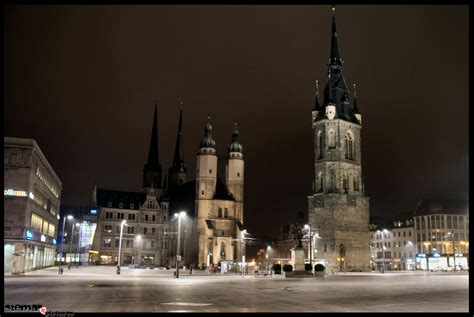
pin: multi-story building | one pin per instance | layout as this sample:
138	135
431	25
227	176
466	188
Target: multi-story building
442	234
397	245
338	208
78	233
32	195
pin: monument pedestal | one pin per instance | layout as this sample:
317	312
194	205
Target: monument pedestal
297	256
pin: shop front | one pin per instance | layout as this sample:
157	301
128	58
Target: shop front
441	262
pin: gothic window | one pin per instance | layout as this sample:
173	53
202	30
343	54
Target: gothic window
320	145
321	181
331	139
146	217
153	218
226	213
345	183
349	146
219	212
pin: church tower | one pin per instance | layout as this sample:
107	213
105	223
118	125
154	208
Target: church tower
206	177
235	172
152	170
177	173
338	209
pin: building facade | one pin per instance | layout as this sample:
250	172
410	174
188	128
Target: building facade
211	228
396	243
338	209
32	195
442	234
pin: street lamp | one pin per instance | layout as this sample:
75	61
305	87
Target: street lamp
69	217
412	258
454	251
242	235
78	244
123	223
310	246
266	255
178	249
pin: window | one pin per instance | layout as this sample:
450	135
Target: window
349	144
202	192
238	174
438	222
109	204
399	233
132	206
108	228
107	242
117	229
145	230
345	185
325	248
164	218
121	205
36	222
461	222
51	230
320	144
219	213
129	216
409	233
117	243
404	233
153	218
210	171
109	215
146	217
153	244
450	224
151	204
153	230
455	222
120	215
226	213
130	230
331	139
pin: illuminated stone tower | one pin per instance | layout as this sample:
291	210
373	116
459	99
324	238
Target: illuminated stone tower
338	209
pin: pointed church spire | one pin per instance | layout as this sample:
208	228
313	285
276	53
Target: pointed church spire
335	56
153	150
152	170
355	109
317	103
178	150
330	97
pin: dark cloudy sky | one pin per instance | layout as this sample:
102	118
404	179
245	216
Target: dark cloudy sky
81	81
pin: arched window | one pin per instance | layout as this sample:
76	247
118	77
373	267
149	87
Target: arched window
219	212
320	145
151	204
226	213
345	183
331	139
349	142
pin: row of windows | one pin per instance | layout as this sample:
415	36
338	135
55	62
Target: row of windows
44	202
150	205
388	254
41	225
219	213
131	216
331	142
387	244
440	221
440	236
129	230
41	175
130	243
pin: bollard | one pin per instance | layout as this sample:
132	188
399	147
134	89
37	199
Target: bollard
118	269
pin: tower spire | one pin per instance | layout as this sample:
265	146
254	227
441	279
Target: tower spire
153	154
152	170
335	56
235	146
317	103
355	109
207	140
330	97
178	150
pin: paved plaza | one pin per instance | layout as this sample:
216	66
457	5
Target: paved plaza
99	289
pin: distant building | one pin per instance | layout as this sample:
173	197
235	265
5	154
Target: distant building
397	246
442	234
79	247
32	195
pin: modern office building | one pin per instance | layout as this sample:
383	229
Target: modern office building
32	195
79	233
442	234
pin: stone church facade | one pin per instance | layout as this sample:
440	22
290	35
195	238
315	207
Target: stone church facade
338	209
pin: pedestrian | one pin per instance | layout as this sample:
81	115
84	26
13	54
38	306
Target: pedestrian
211	268
190	269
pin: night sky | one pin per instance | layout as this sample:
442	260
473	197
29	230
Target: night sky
82	81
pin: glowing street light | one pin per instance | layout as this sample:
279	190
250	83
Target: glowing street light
242	235
178	249
123	223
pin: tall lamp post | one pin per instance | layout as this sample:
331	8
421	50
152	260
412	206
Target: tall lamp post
178	249
266	255
310	246
454	251
242	235
78	244
123	223
69	217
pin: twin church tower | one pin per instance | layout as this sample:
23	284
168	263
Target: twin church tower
338	209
